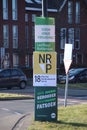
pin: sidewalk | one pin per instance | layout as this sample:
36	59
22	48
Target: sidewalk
27	120
24	122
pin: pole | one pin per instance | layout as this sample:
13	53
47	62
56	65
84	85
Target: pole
66	90
44	8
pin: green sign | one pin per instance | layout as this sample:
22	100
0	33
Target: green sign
44	34
44	71
46	103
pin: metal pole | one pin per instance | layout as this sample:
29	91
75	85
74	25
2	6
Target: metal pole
66	90
44	8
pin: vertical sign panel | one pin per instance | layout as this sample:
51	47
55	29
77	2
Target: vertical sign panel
44	72
46	103
67	57
44	34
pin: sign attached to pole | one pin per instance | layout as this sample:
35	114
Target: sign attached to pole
67	57
46	103
44	72
67	63
44	34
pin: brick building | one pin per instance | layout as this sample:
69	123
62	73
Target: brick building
17	30
72	28
12	32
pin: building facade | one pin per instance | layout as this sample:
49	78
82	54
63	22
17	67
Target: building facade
12	33
17	30
72	28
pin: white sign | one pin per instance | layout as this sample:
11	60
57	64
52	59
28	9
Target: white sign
44	69
68	52
44	33
67	57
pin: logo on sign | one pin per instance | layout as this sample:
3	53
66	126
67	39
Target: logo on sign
45	62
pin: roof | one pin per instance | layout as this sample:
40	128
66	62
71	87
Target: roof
53	5
61	4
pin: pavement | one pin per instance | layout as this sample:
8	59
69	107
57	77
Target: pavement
73	92
24	122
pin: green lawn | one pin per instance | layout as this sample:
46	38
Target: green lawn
6	96
69	118
74	86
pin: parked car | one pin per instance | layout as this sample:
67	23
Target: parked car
77	75
12	77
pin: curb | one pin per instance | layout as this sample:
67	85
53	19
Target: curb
23	122
16	98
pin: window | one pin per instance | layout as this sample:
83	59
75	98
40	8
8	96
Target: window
27	60
5	62
62	37
34	1
5	36
71	36
33	17
29	1
70	12
5	73
61	58
33	37
15	72
26	17
79	58
15	36
77	12
15	60
5	9
77	38
38	1
14	10
27	36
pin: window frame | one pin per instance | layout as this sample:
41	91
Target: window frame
71	36
70	12
6	36
14	10
5	9
61	58
15	60
62	40
15	36
77	11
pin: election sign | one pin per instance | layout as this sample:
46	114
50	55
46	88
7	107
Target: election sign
44	34
46	103
44	72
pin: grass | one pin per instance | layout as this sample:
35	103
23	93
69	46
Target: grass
6	96
10	95
69	118
74	86
21	96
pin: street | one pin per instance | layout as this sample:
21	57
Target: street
11	111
